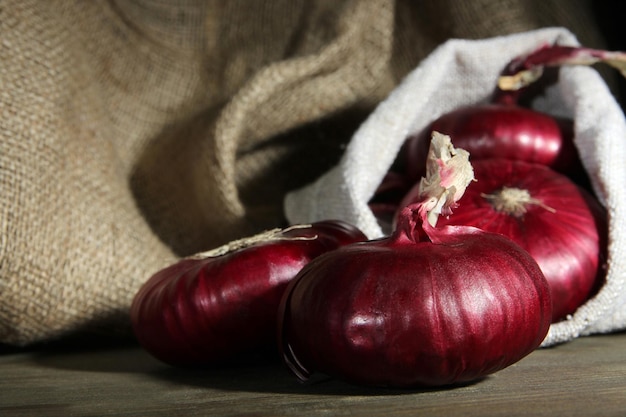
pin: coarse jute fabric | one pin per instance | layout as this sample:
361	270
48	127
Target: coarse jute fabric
136	132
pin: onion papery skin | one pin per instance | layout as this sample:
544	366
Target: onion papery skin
399	313
566	234
502	131
222	309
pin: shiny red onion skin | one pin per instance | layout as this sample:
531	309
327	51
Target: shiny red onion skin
569	245
501	131
206	312
405	314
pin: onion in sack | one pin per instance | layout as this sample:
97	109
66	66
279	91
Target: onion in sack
426	306
560	224
502	131
505	129
216	307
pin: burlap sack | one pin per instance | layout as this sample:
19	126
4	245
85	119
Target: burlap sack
135	132
463	72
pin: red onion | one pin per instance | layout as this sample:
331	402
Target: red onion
501	131
560	224
220	306
426	306
505	129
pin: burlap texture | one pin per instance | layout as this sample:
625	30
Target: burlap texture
135	132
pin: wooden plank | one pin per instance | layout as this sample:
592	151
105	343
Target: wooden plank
586	377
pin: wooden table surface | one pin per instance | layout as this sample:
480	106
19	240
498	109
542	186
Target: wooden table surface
586	378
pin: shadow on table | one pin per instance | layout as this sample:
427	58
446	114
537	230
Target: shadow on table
275	378
262	374
95	354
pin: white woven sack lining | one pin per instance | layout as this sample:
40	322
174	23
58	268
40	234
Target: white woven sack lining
462	72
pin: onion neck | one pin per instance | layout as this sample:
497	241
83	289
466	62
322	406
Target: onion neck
448	173
263	237
408	228
513	201
525	70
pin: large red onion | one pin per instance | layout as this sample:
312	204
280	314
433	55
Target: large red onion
560	224
218	307
427	306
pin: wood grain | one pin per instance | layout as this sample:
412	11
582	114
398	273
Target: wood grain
586	377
